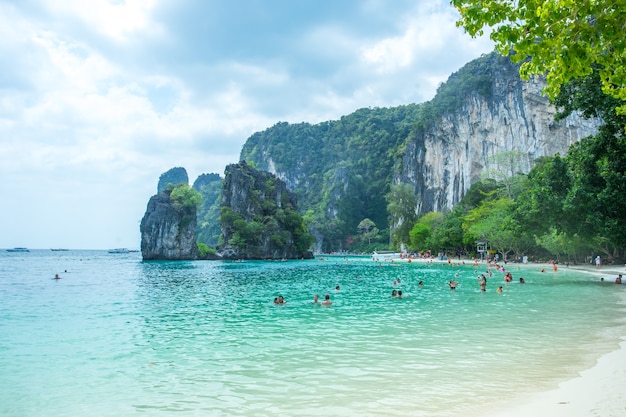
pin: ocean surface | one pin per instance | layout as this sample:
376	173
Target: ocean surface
116	336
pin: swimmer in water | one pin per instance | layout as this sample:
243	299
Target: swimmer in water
326	301
56	276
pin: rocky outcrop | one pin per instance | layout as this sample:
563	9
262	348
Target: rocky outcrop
168	233
444	159
259	217
173	177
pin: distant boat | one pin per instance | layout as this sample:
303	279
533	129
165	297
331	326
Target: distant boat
119	250
18	250
58	249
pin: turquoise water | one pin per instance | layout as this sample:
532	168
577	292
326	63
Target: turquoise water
116	336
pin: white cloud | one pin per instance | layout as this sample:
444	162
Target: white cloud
116	19
92	110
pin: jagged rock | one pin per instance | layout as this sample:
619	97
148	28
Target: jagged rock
259	218
174	177
444	160
168	233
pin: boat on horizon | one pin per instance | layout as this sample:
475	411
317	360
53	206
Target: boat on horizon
18	250
58	249
119	250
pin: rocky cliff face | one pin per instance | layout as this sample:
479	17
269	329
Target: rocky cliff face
443	160
259	217
174	176
167	232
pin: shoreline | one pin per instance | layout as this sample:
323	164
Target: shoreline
596	391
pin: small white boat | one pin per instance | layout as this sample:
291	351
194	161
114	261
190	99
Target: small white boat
119	250
383	255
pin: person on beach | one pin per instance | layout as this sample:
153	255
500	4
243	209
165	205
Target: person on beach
326	301
598	261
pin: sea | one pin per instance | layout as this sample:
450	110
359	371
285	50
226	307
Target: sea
118	336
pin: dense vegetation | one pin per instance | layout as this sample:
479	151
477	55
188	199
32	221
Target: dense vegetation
566	208
265	223
342	170
208	226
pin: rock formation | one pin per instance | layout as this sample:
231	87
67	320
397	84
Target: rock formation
167	232
442	161
174	176
259	217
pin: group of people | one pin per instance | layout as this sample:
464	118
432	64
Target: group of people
326	302
618	279
397	293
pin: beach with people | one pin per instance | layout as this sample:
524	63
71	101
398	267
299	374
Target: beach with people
213	331
598	389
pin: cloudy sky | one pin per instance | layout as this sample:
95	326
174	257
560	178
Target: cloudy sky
99	97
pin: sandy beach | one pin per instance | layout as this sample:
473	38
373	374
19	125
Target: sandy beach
599	391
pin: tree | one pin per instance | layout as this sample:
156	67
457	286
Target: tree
563	38
368	230
402	207
506	168
185	198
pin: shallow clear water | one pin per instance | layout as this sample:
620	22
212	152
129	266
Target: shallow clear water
118	336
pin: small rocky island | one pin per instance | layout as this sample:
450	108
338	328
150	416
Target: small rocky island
258	219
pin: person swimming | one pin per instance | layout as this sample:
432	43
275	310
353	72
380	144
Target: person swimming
316	299
326	301
452	284
394	293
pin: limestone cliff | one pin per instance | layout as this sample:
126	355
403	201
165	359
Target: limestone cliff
341	170
259	217
442	159
167	232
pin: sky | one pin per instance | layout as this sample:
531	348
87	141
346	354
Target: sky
98	98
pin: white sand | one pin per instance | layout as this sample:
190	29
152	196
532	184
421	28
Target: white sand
597	392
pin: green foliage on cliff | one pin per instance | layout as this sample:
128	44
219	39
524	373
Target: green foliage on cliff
259	217
342	169
208	225
184	198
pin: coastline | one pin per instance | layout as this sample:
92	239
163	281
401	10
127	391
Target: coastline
596	391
